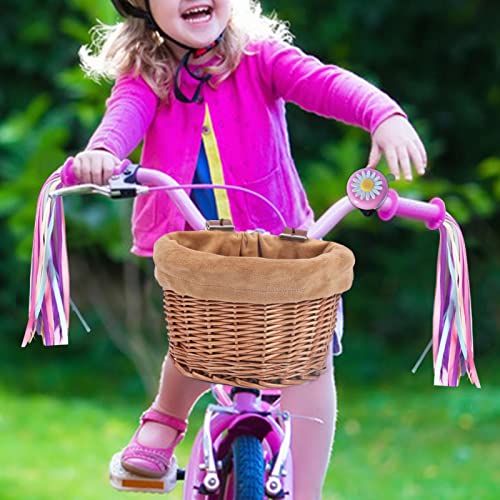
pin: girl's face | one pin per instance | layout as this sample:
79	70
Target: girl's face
195	23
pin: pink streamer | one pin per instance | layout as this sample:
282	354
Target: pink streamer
49	304
453	351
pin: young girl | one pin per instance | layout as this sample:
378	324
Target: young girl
204	84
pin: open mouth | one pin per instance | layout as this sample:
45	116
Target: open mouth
200	14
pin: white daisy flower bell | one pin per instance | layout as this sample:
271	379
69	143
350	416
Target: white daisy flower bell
367	189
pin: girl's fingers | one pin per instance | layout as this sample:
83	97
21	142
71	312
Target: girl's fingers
76	168
108	167
375	155
423	152
416	158
94	167
404	162
84	170
392	160
96	171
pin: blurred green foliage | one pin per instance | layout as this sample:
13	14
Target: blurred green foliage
440	60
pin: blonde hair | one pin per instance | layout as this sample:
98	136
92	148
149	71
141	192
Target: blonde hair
131	46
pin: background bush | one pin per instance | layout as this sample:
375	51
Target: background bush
440	60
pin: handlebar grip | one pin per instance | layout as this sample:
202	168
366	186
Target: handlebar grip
432	212
68	177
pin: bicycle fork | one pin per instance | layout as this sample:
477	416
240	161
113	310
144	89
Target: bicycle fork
222	424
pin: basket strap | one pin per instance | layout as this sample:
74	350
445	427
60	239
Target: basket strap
290	233
219	225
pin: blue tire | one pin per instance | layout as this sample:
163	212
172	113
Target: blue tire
248	462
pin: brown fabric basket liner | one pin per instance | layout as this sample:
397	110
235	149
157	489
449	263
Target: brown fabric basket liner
251	267
248	309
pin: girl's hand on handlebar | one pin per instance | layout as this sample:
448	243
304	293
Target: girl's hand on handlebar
95	166
401	145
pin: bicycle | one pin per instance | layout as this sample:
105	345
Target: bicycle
243	449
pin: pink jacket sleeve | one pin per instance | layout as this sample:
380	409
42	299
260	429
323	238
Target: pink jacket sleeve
326	90
129	113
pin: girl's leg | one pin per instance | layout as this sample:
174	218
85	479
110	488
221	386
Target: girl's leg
176	396
311	441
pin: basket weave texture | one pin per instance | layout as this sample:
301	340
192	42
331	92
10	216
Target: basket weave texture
248	309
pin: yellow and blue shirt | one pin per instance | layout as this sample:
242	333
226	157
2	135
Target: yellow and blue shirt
213	204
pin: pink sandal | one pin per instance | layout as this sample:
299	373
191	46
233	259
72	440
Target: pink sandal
146	460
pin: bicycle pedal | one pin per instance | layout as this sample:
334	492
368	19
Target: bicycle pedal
123	480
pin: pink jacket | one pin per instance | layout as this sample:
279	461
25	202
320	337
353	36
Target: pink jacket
248	115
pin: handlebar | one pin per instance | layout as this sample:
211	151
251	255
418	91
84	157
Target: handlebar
432	212
131	180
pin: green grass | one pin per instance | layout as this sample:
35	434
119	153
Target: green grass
397	440
59	449
64	412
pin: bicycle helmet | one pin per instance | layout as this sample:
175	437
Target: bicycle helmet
126	9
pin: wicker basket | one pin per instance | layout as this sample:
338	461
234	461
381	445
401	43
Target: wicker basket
248	309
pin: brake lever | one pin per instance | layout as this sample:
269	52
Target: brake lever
81	189
122	185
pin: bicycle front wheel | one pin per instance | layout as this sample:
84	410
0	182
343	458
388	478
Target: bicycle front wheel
248	468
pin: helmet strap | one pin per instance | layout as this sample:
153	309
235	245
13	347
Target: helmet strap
196	53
